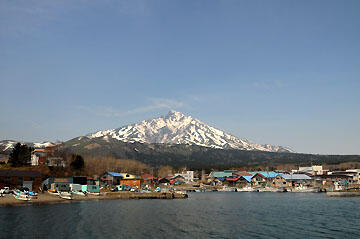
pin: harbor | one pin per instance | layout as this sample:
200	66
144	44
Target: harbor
29	187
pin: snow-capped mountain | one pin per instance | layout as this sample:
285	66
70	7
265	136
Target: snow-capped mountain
8	145
176	128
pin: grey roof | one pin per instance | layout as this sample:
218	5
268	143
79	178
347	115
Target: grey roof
295	177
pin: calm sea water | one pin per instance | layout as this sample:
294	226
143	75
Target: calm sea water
203	215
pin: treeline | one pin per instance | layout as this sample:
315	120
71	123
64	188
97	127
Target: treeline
98	165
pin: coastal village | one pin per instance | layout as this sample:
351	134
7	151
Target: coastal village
32	185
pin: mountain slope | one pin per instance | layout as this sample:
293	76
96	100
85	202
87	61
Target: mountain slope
176	128
194	156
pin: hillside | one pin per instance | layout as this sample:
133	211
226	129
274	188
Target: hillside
195	156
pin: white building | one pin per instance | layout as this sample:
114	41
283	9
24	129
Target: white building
356	174
188	176
314	170
45	156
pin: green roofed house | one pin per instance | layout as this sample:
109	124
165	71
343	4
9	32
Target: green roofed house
222	174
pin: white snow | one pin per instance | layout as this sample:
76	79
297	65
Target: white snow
176	128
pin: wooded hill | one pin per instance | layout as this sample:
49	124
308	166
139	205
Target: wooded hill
195	157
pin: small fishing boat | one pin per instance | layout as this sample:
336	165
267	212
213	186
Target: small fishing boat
272	190
53	193
20	193
65	195
92	193
24	198
245	189
33	195
79	193
228	189
305	190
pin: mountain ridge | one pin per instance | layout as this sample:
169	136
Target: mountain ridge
176	128
8	145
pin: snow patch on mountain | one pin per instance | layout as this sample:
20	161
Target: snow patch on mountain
8	145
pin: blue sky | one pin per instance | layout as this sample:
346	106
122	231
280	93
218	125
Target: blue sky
278	72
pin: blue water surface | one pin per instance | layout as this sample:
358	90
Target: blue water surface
202	215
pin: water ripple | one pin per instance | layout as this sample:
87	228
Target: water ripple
203	215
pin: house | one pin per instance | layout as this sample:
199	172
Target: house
132	182
343	178
114	178
217	181
242	173
66	184
84	183
230	181
187	175
39	156
244	181
263	179
163	181
353	173
240	181
177	179
46	156
356	175
148	177
60	184
20	178
223	174
292	180
329	180
312	170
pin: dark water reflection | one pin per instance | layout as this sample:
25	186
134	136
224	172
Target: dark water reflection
203	215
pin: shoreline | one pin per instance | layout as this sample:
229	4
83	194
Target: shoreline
9	200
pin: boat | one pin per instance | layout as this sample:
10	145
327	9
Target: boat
65	195
33	195
24	198
53	192
92	193
79	193
228	189
20	193
272	190
245	189
305	190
